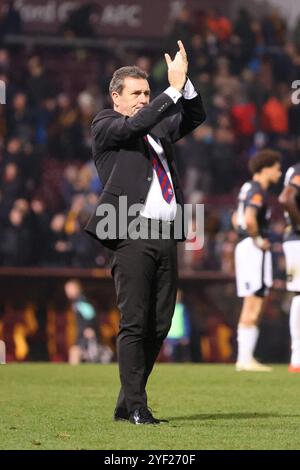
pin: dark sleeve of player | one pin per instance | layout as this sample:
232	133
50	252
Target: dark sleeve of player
292	177
255	198
290	196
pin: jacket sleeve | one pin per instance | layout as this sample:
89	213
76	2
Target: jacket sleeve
191	115
110	132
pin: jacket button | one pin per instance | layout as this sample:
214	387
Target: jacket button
149	178
142	201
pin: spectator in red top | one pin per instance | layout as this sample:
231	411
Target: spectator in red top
220	26
274	116
244	117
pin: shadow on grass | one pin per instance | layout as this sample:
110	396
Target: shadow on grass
225	416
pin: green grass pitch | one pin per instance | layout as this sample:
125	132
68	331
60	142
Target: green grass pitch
49	406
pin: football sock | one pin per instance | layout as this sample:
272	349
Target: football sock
295	330
247	339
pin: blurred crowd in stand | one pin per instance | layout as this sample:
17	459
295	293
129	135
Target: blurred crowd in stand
48	184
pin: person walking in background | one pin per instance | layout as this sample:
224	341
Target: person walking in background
178	340
253	262
132	149
87	347
290	199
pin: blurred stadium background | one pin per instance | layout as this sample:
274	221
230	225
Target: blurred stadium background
56	60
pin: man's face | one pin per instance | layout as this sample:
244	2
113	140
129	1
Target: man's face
135	95
274	173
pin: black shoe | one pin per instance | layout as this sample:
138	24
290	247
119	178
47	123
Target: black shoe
142	416
121	414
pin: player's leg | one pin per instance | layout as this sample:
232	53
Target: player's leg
2	352
75	355
295	334
248	333
253	272
292	257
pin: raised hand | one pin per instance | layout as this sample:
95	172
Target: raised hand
177	68
182	53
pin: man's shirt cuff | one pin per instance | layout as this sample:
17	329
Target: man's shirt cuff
189	91
173	93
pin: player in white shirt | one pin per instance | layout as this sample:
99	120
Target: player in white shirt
253	263
290	199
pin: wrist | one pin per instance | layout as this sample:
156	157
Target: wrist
173	93
178	88
259	241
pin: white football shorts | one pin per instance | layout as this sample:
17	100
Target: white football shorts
253	268
292	260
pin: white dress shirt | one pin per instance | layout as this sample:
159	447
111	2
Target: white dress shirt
156	207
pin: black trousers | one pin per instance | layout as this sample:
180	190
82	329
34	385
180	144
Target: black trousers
145	277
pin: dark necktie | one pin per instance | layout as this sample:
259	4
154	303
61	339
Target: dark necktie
165	183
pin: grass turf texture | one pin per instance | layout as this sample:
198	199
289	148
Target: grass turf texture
47	406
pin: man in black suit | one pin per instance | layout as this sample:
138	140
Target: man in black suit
132	148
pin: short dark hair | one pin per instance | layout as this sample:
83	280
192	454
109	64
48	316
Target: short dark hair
263	159
117	81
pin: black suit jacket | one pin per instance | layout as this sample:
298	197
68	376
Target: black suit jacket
122	158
